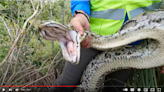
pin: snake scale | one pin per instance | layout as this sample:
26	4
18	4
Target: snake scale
117	53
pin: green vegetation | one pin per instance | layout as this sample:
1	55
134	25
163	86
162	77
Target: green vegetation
31	61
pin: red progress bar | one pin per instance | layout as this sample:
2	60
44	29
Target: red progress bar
39	86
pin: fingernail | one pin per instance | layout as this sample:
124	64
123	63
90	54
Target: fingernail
80	32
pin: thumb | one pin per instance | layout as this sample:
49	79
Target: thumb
89	38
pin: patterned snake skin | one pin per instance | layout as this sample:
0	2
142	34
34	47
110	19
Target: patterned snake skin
117	54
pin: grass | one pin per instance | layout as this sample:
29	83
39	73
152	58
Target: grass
33	65
146	78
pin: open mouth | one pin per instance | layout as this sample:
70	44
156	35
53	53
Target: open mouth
69	43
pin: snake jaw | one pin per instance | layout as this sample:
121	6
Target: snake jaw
75	36
68	39
71	48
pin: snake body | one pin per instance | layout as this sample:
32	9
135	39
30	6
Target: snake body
118	54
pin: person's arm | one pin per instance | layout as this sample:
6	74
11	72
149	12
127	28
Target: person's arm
80	21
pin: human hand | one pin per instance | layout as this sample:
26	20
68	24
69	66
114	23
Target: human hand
86	43
80	22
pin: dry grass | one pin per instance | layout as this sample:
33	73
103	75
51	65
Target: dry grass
27	58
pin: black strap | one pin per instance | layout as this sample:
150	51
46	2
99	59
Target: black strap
83	14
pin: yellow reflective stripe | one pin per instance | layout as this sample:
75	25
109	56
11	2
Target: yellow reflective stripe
140	10
113	14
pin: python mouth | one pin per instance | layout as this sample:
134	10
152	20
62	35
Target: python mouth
70	47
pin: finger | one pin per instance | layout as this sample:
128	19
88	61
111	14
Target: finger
83	43
88	46
88	40
90	37
84	46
